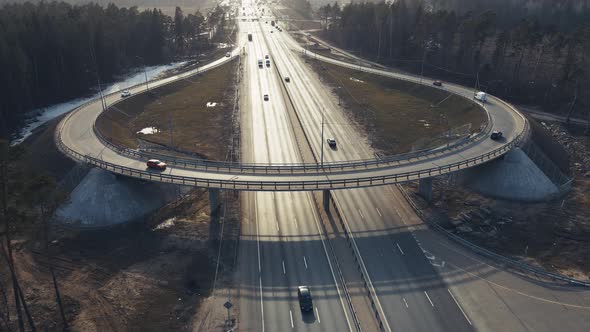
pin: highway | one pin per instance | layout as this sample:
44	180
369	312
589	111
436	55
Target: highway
424	283
281	245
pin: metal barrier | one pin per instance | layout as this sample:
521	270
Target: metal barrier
484	252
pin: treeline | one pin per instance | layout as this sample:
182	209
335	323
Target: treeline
51	52
527	61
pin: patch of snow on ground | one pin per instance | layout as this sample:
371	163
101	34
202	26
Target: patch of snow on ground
51	112
356	80
211	104
149	131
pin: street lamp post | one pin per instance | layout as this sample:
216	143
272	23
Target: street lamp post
147	87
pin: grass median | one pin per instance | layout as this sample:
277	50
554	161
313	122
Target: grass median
193	115
400	116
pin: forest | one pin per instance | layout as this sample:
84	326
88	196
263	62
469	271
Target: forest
530	54
55	51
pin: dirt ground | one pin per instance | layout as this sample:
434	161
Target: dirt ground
180	114
554	235
401	116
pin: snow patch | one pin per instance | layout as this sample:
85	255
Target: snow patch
149	131
211	104
356	80
42	115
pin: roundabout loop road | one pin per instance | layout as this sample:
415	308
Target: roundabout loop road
76	137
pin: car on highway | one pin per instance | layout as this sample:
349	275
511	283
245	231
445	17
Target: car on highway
496	135
260	63
156	164
228	54
265	97
437	83
271	31
125	93
287	79
305	300
331	142
267	56
267	63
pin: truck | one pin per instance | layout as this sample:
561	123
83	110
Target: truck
481	96
249	36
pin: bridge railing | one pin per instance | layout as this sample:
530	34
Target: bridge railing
288	185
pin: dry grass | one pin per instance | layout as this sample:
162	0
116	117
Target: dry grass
401	116
179	111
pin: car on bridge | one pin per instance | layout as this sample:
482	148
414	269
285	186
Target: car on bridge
331	142
496	135
156	164
437	83
305	300
125	93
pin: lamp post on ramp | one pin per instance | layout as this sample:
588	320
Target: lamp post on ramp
147	87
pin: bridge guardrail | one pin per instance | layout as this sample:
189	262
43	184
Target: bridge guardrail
286	185
291	168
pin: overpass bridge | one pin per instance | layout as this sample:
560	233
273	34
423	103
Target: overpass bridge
77	137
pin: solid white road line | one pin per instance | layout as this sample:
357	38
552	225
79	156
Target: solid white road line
317	313
261	303
284	271
460	308
399	248
277	225
405	302
291	315
296	224
379	212
361	214
257	233
428	297
305	262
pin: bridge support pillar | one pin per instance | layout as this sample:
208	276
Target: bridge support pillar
214	200
425	189
326	199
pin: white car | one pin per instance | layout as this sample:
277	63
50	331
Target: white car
125	93
228	54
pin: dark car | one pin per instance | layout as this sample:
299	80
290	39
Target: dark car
156	164
496	135
331	142
304	296
437	83
265	97
287	79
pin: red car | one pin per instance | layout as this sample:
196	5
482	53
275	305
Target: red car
156	164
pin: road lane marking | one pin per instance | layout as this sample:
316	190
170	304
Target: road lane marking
305	261
361	214
317	313
296	227
277	225
460	308
284	271
428	297
399	248
379	212
261	303
405	302
317	225
291	315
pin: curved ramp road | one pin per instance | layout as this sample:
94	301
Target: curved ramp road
76	138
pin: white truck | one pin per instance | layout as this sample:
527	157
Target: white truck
481	96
